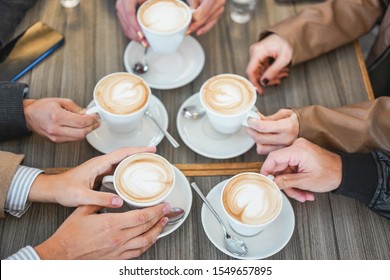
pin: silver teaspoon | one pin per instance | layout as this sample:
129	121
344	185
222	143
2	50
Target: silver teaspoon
193	112
166	133
235	245
142	68
175	216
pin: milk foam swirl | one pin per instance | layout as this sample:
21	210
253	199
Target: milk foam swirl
122	94
144	178
164	15
227	94
251	200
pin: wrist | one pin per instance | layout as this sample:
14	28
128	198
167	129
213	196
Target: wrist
42	189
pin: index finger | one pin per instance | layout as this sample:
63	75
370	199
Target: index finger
279	160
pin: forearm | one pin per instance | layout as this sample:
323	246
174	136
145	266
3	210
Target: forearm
12	119
360	127
326	26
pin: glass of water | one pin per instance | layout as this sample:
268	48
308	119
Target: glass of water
241	10
70	3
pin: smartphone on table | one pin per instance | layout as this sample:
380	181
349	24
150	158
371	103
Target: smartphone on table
27	50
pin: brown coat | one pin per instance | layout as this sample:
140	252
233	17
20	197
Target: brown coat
8	165
324	27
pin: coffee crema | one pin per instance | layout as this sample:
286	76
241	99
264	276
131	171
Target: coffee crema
250	199
228	94
163	15
122	94
144	178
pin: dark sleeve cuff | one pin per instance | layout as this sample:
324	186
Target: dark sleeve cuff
12	119
360	177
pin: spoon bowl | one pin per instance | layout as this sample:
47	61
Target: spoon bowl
234	244
193	112
142	67
175	216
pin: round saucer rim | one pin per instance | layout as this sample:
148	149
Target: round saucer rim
189	144
190	78
157	101
289	210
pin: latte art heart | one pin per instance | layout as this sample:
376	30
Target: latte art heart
164	15
144	178
227	94
251	200
122	94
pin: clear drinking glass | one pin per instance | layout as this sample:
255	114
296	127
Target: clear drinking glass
241	10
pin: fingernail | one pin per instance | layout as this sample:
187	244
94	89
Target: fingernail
188	32
164	221
116	201
265	81
140	35
154	240
144	44
167	209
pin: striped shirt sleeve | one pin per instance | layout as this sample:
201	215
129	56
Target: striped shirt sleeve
16	203
26	253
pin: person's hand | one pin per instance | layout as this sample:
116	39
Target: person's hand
275	131
304	169
206	15
58	119
126	11
88	235
76	186
268	61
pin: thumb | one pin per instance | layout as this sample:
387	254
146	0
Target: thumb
104	199
292	180
87	209
69	105
274	69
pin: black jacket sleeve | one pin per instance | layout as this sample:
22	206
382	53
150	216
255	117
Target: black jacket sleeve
366	177
11	13
12	119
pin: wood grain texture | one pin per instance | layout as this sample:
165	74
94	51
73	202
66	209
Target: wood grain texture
332	227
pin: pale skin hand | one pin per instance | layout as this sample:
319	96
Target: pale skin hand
76	186
304	169
259	70
205	16
58	119
275	131
88	235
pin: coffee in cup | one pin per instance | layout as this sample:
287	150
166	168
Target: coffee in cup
228	100
251	201
164	23
121	99
143	179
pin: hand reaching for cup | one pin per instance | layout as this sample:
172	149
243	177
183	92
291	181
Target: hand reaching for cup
268	61
76	186
88	235
304	169
275	131
58	119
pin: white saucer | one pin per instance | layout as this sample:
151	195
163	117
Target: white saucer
167	71
181	196
147	133
200	137
263	245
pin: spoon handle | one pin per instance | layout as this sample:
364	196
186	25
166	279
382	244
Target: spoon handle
196	188
166	133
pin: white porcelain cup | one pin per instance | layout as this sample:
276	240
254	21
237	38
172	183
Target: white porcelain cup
121	100
251	202
229	101
142	180
164	23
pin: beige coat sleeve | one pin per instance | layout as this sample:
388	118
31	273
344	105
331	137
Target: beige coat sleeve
360	127
9	163
326	26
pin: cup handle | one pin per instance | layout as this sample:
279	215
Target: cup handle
251	114
92	110
271	177
108	182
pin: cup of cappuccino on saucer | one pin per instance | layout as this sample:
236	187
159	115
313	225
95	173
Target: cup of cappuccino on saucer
251	202
228	100
142	180
121	100
164	23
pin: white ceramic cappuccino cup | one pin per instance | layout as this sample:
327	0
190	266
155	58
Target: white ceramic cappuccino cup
121	100
251	202
142	180
228	100
164	23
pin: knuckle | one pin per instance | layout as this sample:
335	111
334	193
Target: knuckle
141	217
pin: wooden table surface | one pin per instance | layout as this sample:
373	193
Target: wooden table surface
332	227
